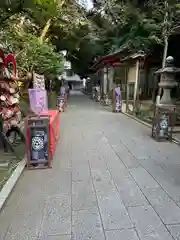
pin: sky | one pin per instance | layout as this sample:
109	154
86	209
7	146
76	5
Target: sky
89	4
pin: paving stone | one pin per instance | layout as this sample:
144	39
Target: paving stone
175	231
128	234
86	224
21	235
118	155
143	178
167	182
130	192
148	224
59	183
96	162
83	196
166	208
129	161
99	176
117	169
64	158
113	212
60	237
173	168
57	216
115	142
27	222
80	172
63	154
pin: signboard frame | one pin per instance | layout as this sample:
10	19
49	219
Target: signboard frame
35	123
163	122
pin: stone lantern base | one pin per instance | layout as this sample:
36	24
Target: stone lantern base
165	113
163	122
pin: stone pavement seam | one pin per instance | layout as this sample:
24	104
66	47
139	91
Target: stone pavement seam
109	230
120	195
156	179
96	197
150	158
95	210
84	187
42	220
141	190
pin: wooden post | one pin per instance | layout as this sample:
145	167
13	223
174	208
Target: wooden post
105	81
107	90
136	86
127	88
101	77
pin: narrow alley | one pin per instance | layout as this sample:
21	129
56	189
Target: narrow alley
109	181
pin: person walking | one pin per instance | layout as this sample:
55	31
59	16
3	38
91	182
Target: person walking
116	97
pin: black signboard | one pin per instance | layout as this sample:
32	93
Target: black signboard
163	124
38	141
39	144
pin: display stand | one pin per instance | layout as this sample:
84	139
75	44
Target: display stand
37	131
165	114
163	123
38	142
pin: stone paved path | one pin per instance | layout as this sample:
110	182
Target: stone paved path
109	180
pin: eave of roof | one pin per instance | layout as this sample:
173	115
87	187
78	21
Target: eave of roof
115	57
110	58
138	55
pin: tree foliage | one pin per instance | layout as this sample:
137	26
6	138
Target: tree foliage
138	24
21	35
66	25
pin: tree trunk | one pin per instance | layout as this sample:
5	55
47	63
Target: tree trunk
165	33
163	65
165	51
45	30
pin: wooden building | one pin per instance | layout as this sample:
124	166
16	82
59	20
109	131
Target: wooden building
134	73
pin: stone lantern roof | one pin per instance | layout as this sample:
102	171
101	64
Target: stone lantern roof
169	67
167	81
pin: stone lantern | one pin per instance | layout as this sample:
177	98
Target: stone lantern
167	82
165	114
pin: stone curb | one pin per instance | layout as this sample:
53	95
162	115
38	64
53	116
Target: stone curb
138	120
175	140
11	182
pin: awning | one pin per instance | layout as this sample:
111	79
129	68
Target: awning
111	59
